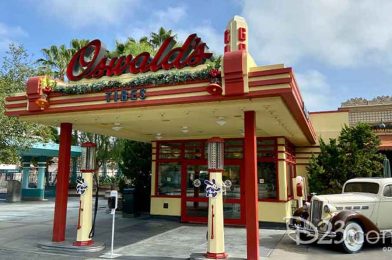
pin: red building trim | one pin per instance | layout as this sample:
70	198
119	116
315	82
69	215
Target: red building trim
234	64
286	94
167	196
17	105
269	72
266	82
216	255
16	98
83	243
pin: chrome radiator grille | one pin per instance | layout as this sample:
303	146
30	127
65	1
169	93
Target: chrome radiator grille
316	211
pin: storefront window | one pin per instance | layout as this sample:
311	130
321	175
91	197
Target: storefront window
231	210
169	179
266	148
170	150
290	176
194	150
194	172
234	149
267	180
232	173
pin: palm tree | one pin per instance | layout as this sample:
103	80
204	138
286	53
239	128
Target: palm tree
77	44
158	38
133	47
56	58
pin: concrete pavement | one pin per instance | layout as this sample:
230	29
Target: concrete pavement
24	225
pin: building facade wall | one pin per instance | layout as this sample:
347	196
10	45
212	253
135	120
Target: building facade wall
276	195
327	125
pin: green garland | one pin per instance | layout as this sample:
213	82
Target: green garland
152	79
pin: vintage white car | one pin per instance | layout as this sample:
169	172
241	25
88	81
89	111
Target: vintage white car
363	212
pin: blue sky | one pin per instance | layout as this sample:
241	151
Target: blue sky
339	49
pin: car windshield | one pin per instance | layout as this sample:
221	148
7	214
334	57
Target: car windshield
366	187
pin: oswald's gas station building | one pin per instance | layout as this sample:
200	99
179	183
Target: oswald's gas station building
176	102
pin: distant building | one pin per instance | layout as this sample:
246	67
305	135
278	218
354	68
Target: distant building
376	112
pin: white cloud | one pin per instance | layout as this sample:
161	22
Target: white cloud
167	18
81	13
9	34
171	18
341	33
315	90
170	15
207	33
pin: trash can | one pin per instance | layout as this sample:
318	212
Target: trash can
128	201
13	191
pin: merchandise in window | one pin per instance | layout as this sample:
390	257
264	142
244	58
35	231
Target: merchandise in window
170	150
267	182
194	150
169	179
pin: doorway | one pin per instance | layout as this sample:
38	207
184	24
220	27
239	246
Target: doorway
194	202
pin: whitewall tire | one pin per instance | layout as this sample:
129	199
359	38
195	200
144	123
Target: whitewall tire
353	238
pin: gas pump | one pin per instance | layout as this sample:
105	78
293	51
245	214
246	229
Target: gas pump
214	189
85	189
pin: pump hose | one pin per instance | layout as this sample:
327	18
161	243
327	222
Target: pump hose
96	206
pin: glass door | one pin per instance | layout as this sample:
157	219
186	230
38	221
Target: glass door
232	197
194	201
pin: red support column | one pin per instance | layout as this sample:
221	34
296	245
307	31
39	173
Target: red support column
251	188
60	210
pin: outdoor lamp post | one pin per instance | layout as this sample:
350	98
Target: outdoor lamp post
85	189
216	243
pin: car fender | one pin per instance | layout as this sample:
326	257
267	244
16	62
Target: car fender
347	215
301	212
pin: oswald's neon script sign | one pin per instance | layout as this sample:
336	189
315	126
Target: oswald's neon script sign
91	61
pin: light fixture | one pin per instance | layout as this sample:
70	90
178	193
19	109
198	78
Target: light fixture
221	121
242	132
184	129
158	136
117	127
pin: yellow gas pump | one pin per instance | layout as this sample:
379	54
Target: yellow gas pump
214	189
85	189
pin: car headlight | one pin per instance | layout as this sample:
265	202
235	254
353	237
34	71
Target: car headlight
323	227
329	208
